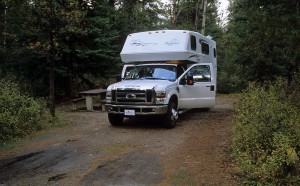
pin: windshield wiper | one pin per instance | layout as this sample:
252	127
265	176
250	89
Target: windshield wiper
155	78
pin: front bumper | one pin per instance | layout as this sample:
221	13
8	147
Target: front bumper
139	109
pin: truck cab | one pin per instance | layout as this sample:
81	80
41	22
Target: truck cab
160	79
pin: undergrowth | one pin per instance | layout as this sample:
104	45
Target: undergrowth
21	114
266	137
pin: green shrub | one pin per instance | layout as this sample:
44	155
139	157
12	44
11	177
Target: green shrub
19	113
229	83
266	128
292	91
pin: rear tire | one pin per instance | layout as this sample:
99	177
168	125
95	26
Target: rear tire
171	117
115	119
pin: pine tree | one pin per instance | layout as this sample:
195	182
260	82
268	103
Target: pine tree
265	33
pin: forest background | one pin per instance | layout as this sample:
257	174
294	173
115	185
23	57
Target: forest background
51	49
76	43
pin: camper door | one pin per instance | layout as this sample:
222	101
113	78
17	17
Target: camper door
201	92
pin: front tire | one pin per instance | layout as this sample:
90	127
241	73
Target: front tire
115	119
171	117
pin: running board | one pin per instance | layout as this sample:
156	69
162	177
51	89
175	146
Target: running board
183	111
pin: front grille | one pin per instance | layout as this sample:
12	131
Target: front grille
133	96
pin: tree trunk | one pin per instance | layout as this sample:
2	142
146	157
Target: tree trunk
69	80
174	14
69	65
204	17
199	6
5	24
51	76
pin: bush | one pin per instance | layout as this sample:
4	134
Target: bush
229	83
266	131
19	113
293	91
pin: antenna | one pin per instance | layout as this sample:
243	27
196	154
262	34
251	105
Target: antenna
209	37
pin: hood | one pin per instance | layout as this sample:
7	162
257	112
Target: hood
142	84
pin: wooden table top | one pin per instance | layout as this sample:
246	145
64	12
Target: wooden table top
92	92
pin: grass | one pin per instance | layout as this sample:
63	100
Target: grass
117	148
183	178
46	123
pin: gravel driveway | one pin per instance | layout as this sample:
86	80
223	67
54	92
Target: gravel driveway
89	151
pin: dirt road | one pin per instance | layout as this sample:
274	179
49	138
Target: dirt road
91	152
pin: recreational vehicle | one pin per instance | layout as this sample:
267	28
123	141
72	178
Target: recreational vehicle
165	73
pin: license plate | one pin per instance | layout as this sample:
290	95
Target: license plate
129	112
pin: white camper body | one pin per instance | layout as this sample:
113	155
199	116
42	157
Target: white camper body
169	45
170	71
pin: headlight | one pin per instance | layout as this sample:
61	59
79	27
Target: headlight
160	97
108	96
161	94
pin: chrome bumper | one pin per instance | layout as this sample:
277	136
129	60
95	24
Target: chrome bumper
139	109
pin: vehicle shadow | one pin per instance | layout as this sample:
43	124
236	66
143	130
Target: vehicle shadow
148	122
156	122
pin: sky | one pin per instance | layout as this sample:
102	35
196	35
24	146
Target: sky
223	13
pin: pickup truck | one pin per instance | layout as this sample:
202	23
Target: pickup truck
163	81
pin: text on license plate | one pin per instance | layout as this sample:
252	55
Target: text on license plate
129	112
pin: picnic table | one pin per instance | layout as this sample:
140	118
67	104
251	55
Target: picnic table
89	94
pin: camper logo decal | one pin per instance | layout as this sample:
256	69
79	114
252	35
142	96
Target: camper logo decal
172	42
140	43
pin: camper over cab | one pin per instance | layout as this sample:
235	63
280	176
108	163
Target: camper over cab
166	72
167	45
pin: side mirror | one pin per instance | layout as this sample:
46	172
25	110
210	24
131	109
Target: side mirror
190	80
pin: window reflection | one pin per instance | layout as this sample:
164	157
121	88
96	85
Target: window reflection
162	72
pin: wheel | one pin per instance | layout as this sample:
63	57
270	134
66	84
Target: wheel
172	115
115	119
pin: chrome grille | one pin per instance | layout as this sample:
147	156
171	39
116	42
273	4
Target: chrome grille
133	96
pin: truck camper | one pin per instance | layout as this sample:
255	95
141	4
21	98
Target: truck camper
165	72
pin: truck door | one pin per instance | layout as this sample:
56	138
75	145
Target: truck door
203	91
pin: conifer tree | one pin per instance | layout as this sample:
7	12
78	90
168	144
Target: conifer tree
265	35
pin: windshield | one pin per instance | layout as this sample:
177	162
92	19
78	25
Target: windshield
162	72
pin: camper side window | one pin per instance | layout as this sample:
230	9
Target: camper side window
215	53
193	43
205	48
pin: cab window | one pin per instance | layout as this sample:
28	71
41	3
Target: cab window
180	71
201	73
127	70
